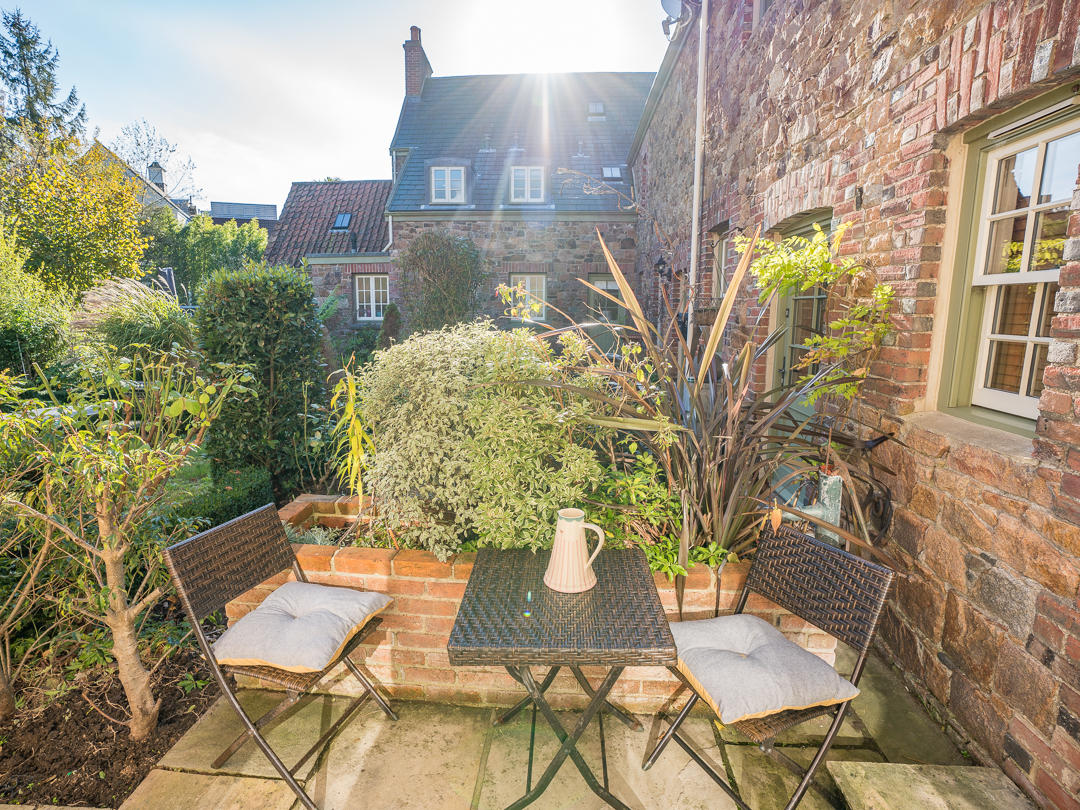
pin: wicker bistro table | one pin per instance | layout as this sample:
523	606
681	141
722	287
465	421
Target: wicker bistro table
618	623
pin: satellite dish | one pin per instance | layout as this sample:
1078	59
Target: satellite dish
673	8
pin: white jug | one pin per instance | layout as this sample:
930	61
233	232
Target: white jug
570	568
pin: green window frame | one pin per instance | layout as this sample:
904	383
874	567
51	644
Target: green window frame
1008	255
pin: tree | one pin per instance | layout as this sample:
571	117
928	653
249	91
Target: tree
76	218
139	145
441	277
98	474
203	248
28	71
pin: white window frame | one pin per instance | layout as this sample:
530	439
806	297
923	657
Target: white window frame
453	193
612	173
371	290
994	283
536	286
533	177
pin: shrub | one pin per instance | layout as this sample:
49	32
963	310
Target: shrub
265	317
126	313
359	343
34	322
463	446
391	327
441	279
235	493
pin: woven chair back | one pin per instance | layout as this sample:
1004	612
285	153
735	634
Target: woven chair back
836	591
218	565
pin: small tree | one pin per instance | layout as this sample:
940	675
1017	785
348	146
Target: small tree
391	327
441	280
201	248
99	471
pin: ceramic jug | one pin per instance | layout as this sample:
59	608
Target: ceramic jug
570	568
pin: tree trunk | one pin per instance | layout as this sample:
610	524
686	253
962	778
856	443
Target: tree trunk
133	675
7	698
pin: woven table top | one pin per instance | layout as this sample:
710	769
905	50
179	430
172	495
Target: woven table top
620	622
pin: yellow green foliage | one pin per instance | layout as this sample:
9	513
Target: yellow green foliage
77	220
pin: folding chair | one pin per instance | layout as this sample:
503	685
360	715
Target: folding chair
836	591
215	567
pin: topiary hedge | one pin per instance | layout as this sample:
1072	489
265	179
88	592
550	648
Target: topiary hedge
265	317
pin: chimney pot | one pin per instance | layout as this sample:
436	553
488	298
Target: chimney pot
415	31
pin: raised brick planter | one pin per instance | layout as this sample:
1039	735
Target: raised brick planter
408	654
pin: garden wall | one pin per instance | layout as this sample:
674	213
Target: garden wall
408	653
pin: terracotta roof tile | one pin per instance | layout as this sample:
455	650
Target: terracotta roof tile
307	220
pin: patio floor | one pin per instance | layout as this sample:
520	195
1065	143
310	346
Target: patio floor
439	756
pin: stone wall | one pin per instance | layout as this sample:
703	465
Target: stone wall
563	250
407	655
861	107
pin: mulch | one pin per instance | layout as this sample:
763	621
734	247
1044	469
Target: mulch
69	754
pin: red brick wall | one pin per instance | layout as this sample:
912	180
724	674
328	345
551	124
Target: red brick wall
408	653
856	105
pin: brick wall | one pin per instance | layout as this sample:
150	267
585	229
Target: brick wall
857	107
408	653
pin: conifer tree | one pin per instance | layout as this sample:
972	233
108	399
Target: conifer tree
28	71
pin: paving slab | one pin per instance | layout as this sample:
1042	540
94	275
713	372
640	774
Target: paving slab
674	782
767	785
290	735
898	722
196	791
429	758
871	786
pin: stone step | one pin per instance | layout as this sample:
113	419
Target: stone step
887	786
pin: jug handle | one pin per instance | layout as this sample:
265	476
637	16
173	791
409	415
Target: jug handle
600	541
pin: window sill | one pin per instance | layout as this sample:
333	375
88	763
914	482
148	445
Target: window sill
998	432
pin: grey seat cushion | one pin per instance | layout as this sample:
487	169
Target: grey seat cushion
300	627
745	668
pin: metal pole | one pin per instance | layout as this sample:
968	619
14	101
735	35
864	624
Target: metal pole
699	156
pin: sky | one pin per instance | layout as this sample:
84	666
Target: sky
261	94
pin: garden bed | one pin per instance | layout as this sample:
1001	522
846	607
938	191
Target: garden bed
69	754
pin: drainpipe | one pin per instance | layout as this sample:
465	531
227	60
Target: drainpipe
390	231
699	156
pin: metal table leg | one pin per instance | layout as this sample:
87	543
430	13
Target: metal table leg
569	741
509	714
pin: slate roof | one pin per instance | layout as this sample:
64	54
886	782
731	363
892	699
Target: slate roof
548	113
307	219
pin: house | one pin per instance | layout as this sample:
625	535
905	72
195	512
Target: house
948	136
511	161
339	229
222	212
150	190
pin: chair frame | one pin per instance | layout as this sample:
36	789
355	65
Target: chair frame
830	588
218	565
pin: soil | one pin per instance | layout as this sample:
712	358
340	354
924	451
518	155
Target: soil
69	754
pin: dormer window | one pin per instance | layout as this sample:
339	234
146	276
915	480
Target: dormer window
527	184
612	173
341	222
448	184
596	111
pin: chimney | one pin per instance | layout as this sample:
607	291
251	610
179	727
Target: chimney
155	172
417	67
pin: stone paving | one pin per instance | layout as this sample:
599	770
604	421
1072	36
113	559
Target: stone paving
438	756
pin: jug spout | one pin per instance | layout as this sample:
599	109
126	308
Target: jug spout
570	568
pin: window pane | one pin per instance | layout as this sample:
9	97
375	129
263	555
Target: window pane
1016	174
1038	366
1005	367
1050	292
519	184
1059	169
1013	316
1049	239
363	297
1006	249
